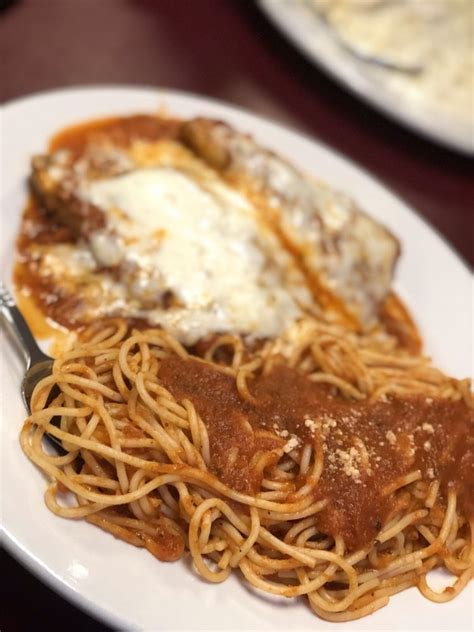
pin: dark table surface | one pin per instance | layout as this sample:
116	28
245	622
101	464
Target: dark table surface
228	50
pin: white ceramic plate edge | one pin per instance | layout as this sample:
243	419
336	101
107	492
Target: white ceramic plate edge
57	584
300	25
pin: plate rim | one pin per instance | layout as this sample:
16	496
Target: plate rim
46	576
380	102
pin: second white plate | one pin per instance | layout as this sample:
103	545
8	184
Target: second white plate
312	36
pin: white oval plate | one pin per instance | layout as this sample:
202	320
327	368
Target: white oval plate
126	586
314	39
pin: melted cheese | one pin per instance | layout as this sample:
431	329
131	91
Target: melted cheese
200	241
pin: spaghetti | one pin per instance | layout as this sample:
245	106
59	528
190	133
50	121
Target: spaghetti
324	463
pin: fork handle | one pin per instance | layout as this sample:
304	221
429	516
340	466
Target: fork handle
18	329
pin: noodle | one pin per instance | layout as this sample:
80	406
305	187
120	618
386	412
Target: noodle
141	463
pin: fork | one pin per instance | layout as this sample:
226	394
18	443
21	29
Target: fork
38	365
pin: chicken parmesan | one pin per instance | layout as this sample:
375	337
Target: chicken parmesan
193	227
